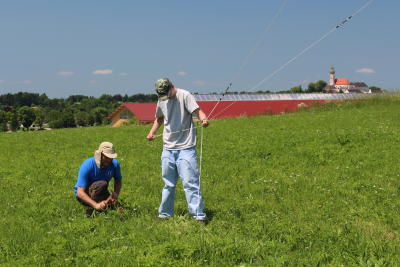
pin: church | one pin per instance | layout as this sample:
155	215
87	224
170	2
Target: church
343	85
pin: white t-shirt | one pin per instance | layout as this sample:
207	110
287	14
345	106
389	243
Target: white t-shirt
177	113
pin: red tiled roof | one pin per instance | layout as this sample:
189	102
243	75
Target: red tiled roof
145	112
342	81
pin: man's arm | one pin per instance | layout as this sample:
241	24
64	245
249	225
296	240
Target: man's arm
117	189
202	117
81	194
157	124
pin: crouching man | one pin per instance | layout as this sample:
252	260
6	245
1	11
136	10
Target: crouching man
95	173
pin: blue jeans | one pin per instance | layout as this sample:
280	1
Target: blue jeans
181	163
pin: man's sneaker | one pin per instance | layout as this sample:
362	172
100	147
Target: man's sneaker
162	218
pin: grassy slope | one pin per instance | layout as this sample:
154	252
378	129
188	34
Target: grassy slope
320	186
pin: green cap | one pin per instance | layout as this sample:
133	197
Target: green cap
162	88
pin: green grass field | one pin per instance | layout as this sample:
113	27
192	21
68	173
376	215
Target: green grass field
319	187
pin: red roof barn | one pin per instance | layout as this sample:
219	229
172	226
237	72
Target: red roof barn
144	112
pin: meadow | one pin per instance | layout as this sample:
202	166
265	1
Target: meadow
314	188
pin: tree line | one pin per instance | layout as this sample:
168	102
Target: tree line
23	109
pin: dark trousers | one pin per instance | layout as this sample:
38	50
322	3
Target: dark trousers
98	191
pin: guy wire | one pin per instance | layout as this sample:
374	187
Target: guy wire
340	25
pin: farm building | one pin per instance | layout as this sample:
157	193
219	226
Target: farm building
231	105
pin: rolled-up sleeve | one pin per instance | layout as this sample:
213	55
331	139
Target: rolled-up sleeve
190	103
159	113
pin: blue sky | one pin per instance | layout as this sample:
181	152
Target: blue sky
93	47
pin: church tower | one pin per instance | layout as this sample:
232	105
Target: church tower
332	77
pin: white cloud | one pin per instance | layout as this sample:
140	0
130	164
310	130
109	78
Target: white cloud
366	70
199	83
102	72
65	73
92	81
182	73
123	74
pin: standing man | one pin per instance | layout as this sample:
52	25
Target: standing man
91	189
175	109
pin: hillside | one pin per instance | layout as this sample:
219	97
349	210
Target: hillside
319	186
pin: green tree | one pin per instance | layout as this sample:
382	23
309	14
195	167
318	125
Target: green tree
100	115
64	120
75	98
296	89
91	119
106	99
117	98
3	121
40	117
53	115
26	116
375	89
316	87
321	85
14	123
82	118
68	119
56	124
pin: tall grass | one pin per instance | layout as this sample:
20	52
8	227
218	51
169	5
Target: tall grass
319	187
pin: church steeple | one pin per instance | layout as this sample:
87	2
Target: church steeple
332	76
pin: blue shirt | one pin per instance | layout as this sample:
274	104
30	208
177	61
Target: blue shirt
89	173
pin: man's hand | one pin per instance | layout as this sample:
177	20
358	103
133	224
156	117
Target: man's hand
204	123
114	198
202	117
150	137
157	123
101	205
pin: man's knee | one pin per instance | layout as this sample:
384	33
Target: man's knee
188	171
